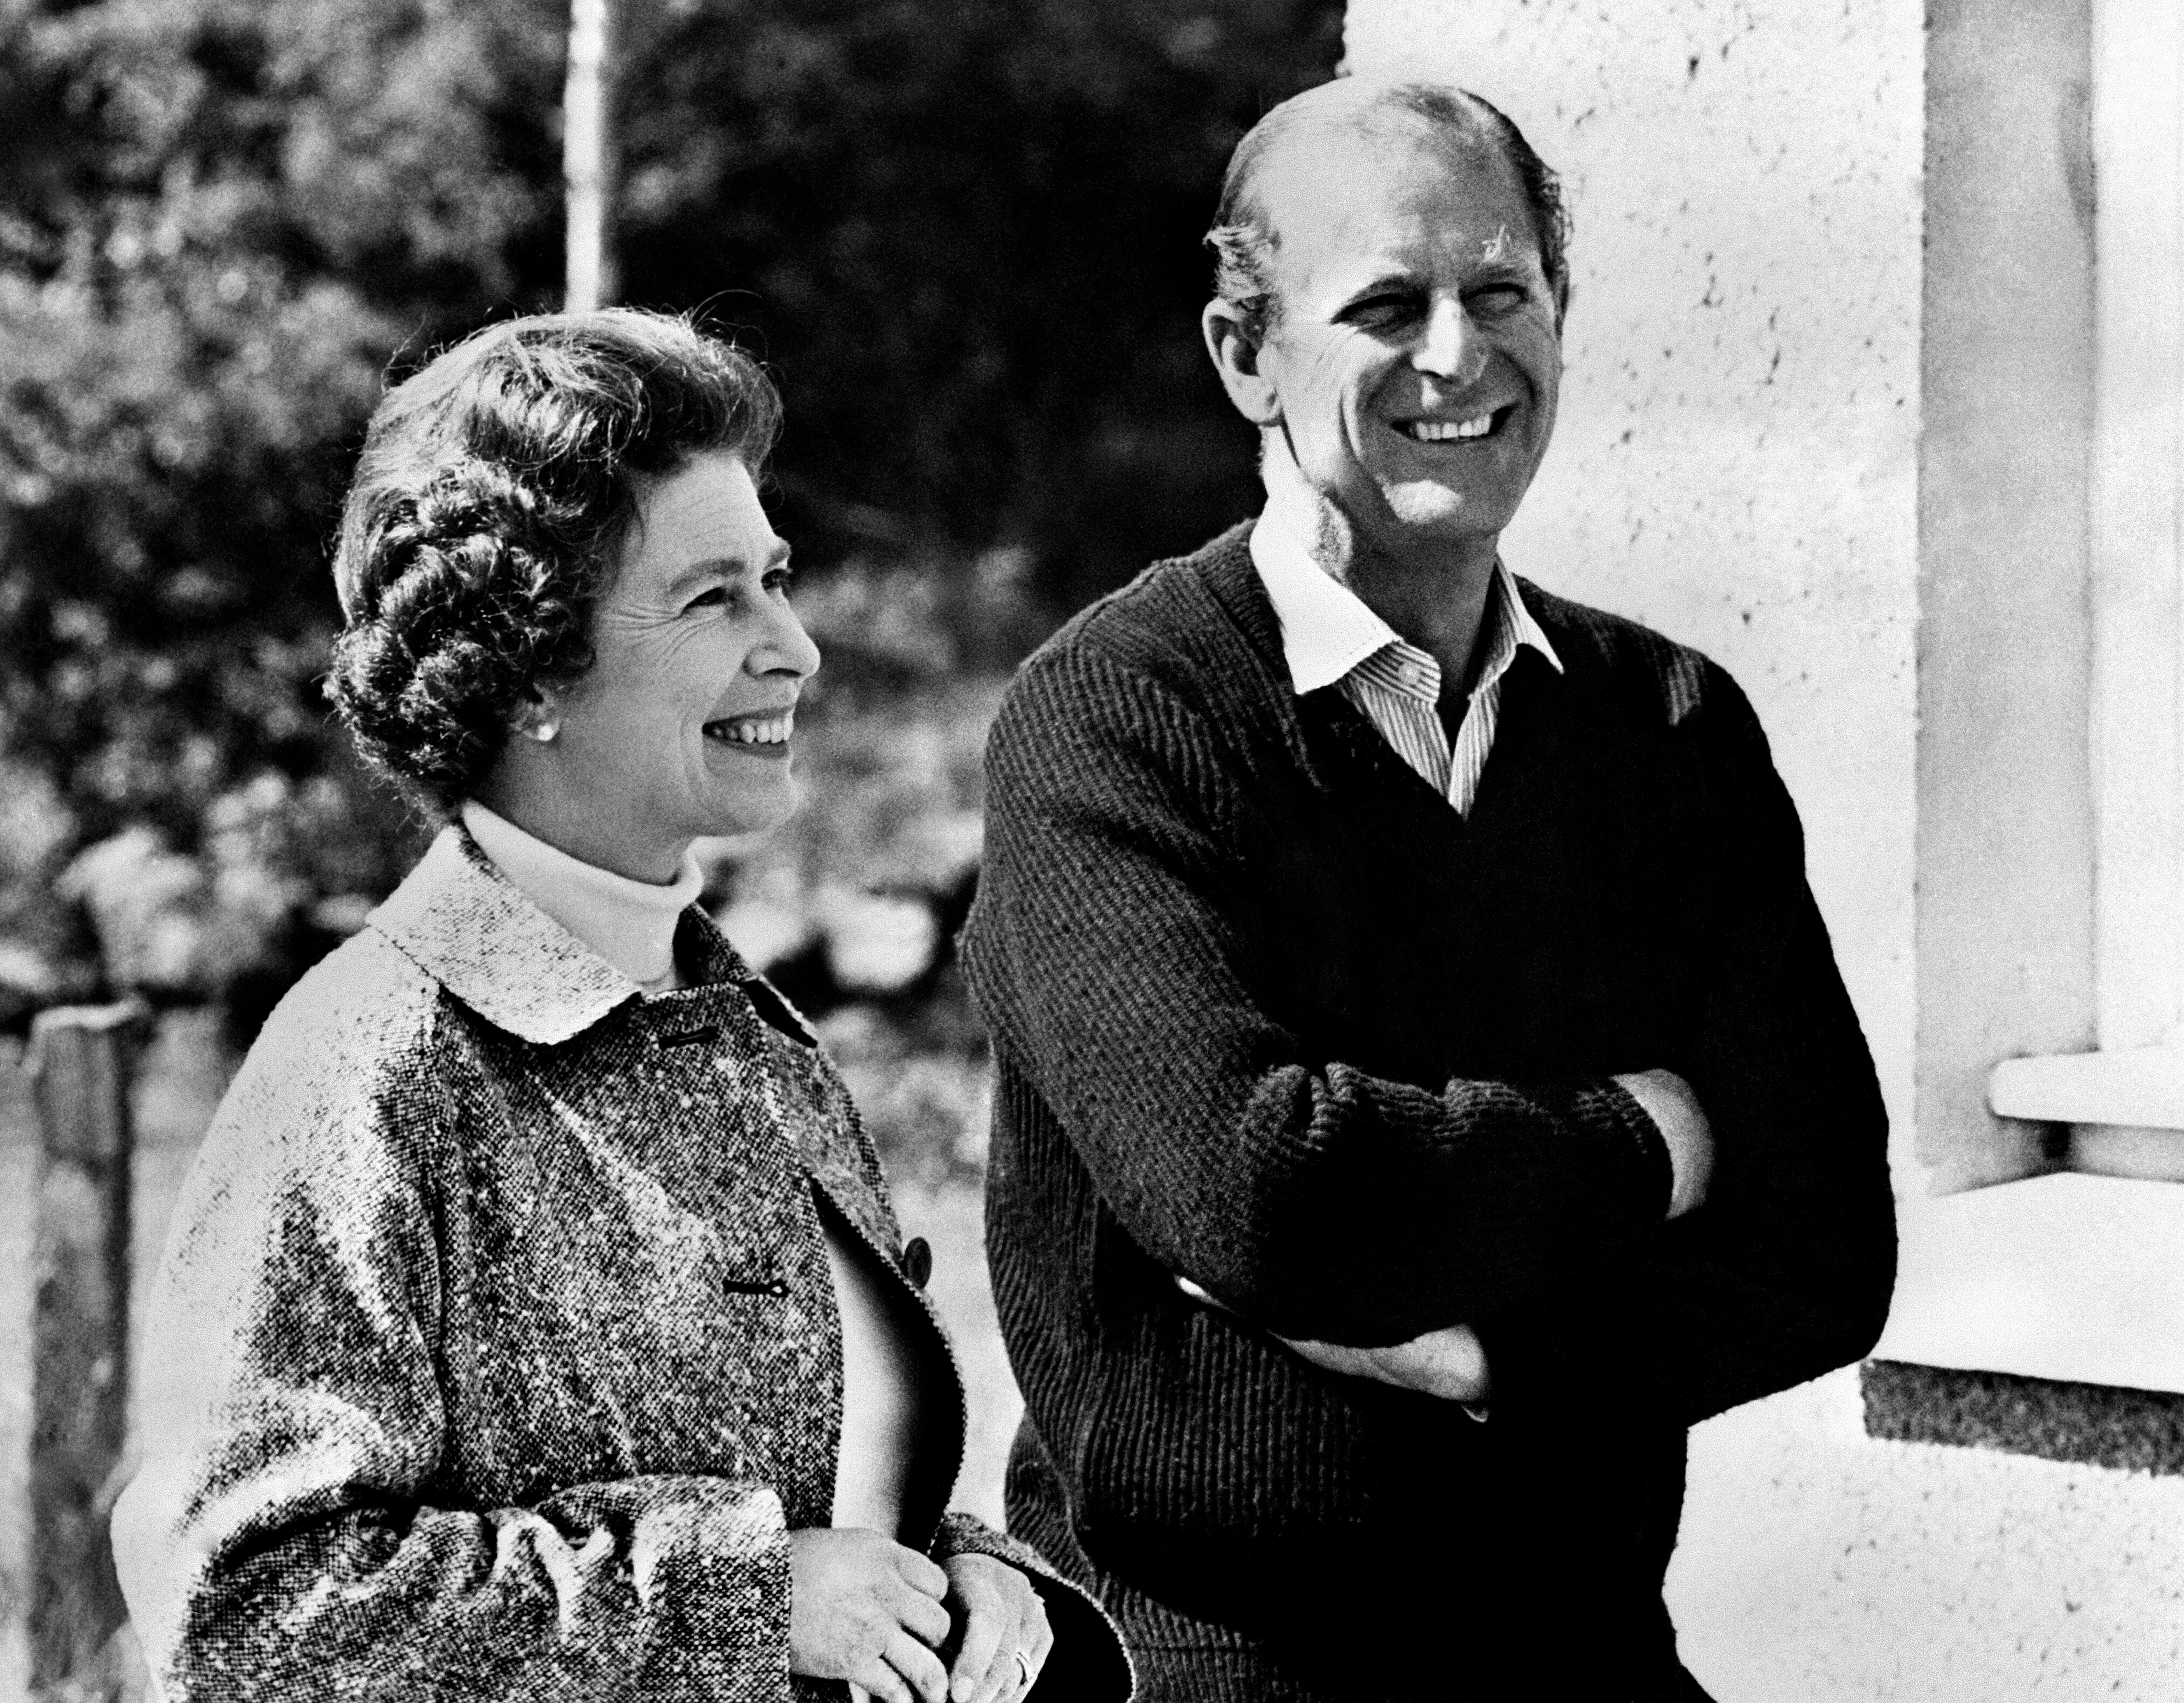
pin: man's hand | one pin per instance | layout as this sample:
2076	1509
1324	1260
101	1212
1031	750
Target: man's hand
1003	1620
1666	1098
1450	1363
865	1608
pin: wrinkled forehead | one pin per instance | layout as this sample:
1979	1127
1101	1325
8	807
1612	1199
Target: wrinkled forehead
1352	182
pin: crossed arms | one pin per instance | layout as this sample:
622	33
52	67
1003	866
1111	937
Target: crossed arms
1451	1363
1398	1231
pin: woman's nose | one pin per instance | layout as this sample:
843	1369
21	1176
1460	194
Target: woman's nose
1451	347
787	648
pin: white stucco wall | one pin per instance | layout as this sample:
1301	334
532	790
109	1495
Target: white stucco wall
1735	459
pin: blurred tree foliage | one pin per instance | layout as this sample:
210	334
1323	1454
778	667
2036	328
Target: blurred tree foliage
964	234
969	236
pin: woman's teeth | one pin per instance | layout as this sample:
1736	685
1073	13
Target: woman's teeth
753	729
1442	431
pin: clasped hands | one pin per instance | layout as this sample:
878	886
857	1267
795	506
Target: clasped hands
1451	1363
868	1610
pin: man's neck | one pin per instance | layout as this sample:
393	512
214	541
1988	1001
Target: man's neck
1436	598
1438	604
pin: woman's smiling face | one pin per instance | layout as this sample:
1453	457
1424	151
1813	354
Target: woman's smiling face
680	727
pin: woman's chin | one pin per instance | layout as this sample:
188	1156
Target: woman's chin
757	807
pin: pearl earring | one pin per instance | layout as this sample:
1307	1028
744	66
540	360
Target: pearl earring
543	732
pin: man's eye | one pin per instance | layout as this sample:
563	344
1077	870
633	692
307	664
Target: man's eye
1500	296
1380	309
711	597
778	579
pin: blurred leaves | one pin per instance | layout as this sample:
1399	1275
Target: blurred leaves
966	236
229	216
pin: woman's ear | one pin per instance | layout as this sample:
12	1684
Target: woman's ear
1234	338
536	716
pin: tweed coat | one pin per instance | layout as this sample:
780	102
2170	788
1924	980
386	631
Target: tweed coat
495	1354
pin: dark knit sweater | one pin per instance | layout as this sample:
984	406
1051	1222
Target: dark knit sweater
1267	1013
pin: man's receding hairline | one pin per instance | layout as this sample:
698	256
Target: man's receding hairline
1380	114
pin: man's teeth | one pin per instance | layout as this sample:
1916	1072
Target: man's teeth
1440	430
753	729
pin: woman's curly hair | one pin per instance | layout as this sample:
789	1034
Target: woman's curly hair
489	506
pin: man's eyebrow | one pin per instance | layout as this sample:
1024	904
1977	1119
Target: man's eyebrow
1509	267
1390	281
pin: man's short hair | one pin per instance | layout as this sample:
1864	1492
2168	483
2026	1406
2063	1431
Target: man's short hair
1243	237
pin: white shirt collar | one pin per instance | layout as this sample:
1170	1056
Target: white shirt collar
629	923
1327	628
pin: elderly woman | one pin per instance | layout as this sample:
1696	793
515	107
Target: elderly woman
535	1323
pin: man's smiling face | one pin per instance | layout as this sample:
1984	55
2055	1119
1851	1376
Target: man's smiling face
1413	355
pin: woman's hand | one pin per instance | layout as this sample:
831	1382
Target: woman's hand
1003	1619
865	1608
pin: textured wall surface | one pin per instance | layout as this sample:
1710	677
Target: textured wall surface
1818	1565
2005	928
1736	462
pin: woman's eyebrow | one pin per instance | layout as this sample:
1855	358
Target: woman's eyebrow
691	572
705	568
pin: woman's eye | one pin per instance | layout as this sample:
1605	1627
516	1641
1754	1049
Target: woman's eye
778	579
711	597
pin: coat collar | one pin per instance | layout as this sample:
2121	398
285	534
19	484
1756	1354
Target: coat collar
468	928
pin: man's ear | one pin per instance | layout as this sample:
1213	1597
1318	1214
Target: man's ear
1232	339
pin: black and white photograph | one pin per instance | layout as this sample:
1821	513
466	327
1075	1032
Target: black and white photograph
954	851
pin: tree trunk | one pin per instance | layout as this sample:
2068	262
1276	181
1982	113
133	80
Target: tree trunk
588	156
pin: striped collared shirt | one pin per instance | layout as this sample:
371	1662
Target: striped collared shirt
1329	637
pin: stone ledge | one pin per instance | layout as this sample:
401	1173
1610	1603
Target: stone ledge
2129	1430
2142	1087
2065	1277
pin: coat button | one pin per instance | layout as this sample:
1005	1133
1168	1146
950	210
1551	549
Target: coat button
916	1260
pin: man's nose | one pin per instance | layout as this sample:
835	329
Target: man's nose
1451	348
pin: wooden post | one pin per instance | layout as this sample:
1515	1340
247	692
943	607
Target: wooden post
588	156
81	1063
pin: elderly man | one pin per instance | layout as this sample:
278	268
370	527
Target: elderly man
1423	1086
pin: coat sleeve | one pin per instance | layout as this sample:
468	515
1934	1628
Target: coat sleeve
283	1537
1786	1272
1109	952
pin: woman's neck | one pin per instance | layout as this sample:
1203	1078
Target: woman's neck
630	923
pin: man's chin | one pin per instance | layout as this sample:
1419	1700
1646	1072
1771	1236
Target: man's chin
1427	515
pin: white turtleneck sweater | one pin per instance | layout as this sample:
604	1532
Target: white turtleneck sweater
631	925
